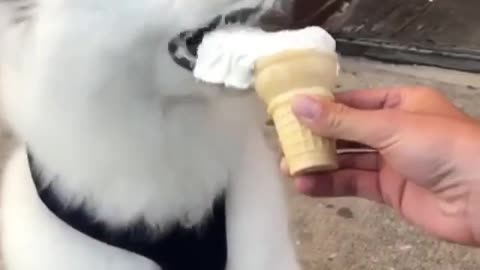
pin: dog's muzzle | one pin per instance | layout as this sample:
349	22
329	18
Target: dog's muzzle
183	48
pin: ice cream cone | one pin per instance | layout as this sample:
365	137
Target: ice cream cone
280	77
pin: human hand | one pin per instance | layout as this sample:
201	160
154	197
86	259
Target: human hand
426	159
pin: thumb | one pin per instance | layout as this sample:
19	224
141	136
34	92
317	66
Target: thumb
334	120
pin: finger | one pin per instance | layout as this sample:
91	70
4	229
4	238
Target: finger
359	161
329	119
371	99
342	183
429	101
413	99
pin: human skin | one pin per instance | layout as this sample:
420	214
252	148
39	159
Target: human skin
425	159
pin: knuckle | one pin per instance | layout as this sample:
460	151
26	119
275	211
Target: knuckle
425	91
393	121
393	99
425	95
336	118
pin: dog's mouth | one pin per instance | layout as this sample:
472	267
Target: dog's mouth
183	48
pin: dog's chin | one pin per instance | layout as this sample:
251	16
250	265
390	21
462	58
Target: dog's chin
183	48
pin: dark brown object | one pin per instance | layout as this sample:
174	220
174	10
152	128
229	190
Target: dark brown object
345	212
439	33
306	12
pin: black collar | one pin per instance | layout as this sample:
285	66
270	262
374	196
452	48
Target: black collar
179	249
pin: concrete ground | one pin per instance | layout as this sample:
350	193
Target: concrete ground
351	234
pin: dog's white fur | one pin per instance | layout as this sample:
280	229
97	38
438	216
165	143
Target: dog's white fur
89	86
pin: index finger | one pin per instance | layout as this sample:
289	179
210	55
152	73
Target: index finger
342	183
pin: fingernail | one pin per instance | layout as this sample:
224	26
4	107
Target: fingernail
306	108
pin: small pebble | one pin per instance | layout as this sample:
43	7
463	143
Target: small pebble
405	247
345	213
332	256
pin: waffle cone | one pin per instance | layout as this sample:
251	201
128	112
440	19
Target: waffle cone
281	77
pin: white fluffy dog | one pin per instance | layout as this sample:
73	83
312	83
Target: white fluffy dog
125	161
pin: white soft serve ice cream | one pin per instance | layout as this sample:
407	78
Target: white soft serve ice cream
227	56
